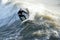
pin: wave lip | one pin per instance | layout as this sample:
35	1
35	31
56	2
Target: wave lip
43	27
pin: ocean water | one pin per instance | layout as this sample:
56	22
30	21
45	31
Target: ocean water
43	22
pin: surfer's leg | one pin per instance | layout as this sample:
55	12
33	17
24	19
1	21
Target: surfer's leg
21	19
20	16
24	16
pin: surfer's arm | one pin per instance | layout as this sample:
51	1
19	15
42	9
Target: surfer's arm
27	11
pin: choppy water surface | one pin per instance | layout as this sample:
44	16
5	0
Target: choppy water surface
42	23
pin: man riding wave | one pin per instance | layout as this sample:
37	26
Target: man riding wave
20	13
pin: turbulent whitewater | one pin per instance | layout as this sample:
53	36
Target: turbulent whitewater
41	23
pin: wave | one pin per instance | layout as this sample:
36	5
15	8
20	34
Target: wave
42	24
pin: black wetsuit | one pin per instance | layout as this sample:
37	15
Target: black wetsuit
21	15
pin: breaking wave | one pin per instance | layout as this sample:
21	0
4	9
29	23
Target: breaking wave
42	24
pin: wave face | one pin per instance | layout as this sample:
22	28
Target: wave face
42	23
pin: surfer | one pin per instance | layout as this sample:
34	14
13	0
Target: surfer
20	13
